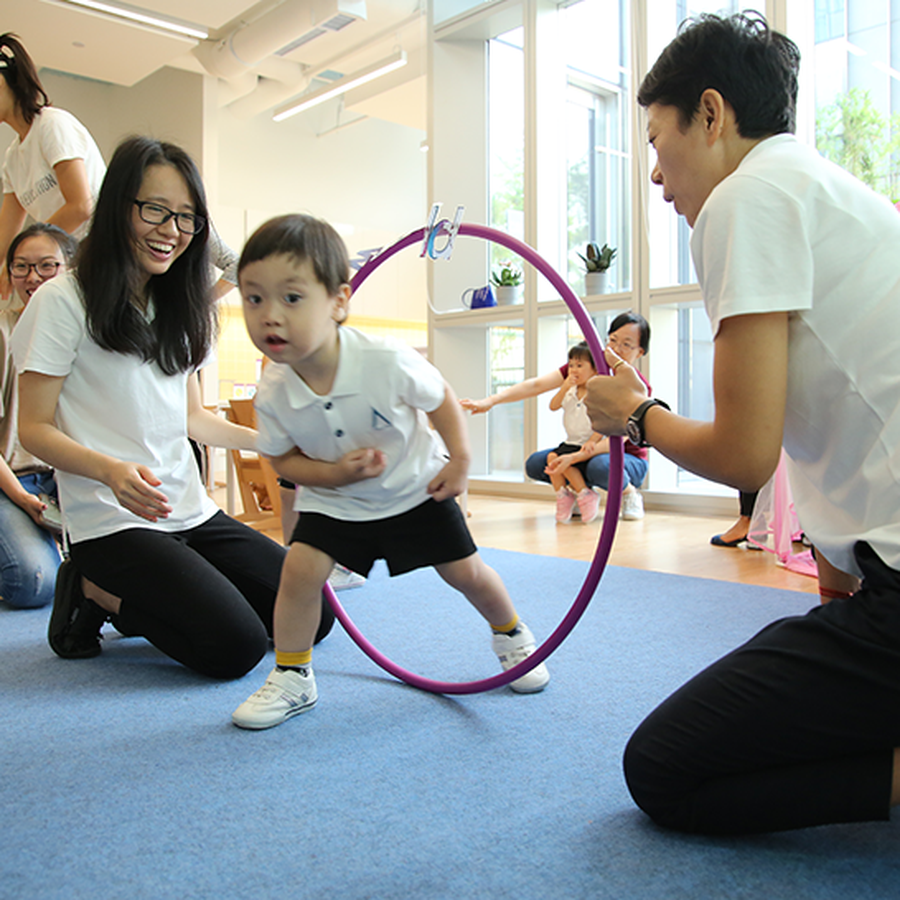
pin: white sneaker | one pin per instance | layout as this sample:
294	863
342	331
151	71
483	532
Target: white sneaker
512	649
285	694
632	505
342	578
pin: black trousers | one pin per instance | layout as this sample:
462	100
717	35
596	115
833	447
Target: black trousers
795	728
204	596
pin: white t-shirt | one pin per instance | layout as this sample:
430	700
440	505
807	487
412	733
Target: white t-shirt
789	231
575	418
379	398
55	136
113	403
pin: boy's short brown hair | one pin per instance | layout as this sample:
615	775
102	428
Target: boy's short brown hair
304	238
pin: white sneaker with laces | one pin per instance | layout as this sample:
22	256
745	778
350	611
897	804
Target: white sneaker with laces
632	505
285	694
512	649
342	578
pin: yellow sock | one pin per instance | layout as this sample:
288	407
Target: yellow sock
285	659
509	626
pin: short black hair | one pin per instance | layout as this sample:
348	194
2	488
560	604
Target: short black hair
632	318
581	350
66	243
753	67
305	238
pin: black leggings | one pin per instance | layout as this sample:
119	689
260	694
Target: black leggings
795	728
748	501
204	596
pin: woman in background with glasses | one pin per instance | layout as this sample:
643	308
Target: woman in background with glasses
106	357
29	556
53	168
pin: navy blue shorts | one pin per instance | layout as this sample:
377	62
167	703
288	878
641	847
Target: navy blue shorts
432	533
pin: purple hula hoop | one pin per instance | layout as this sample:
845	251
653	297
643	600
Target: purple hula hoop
614	495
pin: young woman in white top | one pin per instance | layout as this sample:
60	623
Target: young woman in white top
106	358
53	168
29	556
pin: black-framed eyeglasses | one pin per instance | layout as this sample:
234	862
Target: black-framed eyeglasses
156	214
46	268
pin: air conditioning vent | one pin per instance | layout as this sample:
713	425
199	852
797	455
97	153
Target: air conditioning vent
300	41
336	23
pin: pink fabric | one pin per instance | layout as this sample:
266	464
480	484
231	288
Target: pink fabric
774	516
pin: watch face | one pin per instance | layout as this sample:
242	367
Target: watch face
633	430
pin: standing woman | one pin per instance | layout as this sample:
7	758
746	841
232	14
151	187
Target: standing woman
53	169
106	358
29	556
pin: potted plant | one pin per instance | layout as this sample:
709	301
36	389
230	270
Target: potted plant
597	261
507	279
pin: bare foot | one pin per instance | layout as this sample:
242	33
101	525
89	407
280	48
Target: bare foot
738	531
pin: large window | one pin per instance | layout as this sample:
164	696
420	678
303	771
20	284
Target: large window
857	89
507	354
670	255
506	108
566	162
598	128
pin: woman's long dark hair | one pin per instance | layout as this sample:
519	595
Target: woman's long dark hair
180	334
18	70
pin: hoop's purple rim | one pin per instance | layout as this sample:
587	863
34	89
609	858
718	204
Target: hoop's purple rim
613	498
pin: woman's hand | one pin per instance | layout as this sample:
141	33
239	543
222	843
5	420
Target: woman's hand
135	488
559	465
34	506
611	399
477	406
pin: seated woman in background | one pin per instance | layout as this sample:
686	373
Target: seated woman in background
29	556
107	357
629	336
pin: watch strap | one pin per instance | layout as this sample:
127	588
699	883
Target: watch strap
636	419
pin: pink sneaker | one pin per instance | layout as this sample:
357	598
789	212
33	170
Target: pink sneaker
565	502
588	505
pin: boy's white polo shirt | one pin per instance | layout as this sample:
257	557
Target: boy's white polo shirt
379	398
114	403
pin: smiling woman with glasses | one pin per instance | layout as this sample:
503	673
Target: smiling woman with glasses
156	214
29	557
108	360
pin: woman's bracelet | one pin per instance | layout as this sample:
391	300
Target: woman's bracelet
830	594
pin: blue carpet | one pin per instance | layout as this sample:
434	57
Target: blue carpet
122	776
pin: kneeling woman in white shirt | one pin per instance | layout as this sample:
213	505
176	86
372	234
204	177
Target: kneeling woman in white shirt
106	357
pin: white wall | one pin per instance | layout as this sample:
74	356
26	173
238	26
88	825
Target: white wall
368	179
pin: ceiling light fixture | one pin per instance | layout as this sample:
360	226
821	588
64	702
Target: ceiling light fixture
307	101
136	16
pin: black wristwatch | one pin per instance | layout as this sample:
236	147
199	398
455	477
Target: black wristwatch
634	427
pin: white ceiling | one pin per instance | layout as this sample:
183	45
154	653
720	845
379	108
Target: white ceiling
85	44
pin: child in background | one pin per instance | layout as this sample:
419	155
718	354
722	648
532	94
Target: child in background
566	464
344	415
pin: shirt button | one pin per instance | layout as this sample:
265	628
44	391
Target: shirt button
328	405
339	433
